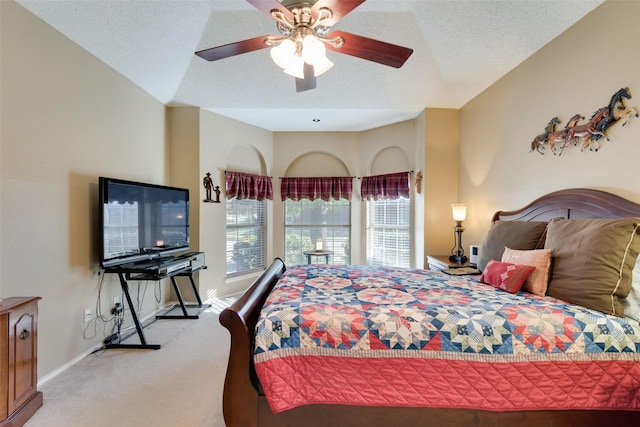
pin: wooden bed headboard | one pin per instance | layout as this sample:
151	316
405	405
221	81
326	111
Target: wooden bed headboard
575	203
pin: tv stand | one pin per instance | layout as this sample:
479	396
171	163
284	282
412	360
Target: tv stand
171	268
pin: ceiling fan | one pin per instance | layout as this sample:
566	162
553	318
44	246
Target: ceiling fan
305	34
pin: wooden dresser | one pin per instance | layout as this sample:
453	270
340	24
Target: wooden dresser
19	396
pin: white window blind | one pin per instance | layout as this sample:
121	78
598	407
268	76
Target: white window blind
388	232
307	221
246	236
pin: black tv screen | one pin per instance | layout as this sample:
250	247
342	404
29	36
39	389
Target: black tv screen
140	221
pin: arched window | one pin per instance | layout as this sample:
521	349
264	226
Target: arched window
317	218
246	221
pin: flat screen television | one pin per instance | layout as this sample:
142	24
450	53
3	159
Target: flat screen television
140	222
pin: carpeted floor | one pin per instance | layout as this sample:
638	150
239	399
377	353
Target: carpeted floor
178	385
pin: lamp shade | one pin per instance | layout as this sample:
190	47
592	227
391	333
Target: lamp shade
459	211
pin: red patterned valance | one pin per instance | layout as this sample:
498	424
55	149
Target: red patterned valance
248	186
325	188
389	186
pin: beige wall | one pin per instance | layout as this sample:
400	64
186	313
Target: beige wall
66	119
576	73
441	135
226	144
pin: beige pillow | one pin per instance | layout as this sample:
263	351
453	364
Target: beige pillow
593	261
522	235
537	282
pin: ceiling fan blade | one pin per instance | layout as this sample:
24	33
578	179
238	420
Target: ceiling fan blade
232	49
340	9
309	80
370	49
266	6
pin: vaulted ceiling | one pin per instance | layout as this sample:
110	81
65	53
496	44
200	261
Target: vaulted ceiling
461	47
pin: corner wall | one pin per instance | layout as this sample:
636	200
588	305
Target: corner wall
66	119
578	72
440	182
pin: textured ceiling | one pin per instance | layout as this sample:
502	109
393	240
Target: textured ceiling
461	47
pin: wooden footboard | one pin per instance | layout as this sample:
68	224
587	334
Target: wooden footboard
240	397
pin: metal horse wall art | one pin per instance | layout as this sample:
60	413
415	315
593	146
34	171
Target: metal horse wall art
589	133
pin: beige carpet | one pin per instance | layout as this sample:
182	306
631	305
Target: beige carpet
178	385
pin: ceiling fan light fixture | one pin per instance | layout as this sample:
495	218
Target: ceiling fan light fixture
314	52
322	66
312	49
283	53
305	30
296	67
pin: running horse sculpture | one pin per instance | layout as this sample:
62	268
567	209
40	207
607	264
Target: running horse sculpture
587	130
561	136
616	111
538	142
590	132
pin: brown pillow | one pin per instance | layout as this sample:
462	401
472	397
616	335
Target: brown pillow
519	235
593	261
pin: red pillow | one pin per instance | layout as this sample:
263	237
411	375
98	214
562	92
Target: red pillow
506	276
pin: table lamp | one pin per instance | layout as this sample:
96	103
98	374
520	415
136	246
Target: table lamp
459	215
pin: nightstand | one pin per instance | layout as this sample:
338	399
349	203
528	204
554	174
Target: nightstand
441	262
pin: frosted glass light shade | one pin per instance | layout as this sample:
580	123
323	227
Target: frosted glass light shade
322	66
459	212
296	67
312	50
284	53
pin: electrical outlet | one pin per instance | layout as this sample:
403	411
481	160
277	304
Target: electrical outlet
88	314
117	309
116	300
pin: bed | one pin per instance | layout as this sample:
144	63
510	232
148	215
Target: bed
589	374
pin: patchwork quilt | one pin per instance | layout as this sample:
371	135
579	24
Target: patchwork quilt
374	336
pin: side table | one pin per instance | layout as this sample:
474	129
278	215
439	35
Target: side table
325	254
441	262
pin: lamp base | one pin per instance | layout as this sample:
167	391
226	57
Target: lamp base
458	259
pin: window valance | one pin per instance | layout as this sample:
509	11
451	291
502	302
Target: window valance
248	186
389	186
325	188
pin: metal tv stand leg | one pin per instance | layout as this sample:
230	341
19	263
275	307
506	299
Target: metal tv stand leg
183	306
143	341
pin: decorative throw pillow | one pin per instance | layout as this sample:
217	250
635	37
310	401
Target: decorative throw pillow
521	235
537	282
593	261
505	275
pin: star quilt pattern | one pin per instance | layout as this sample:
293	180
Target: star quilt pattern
361	335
